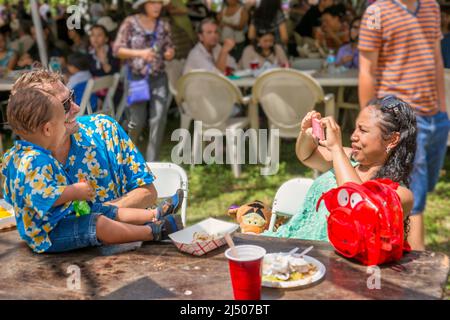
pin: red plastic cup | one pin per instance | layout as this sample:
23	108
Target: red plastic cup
254	65
245	264
229	71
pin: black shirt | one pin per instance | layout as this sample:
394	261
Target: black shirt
310	20
96	68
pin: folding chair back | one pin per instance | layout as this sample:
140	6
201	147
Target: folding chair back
289	198
170	177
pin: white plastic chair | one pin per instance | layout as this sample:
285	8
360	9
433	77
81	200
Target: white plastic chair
170	177
286	96
289	198
447	96
210	98
174	70
107	82
123	79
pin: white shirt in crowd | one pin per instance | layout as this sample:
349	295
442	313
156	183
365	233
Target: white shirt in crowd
200	58
43	10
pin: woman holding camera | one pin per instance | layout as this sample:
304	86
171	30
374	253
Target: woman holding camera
383	146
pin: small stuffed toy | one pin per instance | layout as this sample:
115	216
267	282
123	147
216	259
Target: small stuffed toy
253	217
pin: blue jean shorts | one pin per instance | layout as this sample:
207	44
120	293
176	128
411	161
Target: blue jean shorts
74	232
432	135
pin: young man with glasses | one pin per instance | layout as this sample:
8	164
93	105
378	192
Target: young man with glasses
400	54
97	149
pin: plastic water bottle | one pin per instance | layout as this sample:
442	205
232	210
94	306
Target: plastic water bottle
331	62
54	64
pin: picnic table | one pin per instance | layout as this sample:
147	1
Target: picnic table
160	271
348	78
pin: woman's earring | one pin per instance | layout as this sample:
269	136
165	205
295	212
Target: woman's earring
388	150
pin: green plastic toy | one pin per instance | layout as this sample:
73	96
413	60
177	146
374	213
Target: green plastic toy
81	208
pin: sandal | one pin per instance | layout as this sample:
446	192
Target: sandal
168	225
170	205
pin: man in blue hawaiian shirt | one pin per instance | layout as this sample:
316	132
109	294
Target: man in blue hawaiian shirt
97	149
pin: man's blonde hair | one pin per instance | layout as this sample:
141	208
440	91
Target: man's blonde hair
42	79
29	109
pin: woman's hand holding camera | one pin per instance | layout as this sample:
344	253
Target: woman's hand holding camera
333	140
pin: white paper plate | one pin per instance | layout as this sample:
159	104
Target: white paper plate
302	282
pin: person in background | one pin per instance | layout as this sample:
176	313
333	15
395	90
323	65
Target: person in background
179	11
395	57
78	67
183	33
44	11
445	27
32	55
348	54
110	26
97	11
62	32
79	41
208	54
233	20
311	19
144	41
101	59
197	12
268	17
8	58
264	49
334	31
25	41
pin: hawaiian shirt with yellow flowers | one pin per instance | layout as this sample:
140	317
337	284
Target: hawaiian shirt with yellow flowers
34	180
103	155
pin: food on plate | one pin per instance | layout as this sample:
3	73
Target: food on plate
283	267
5	213
203	236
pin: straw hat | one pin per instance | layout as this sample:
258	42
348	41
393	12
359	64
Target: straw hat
138	3
108	23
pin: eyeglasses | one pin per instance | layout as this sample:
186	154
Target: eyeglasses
68	102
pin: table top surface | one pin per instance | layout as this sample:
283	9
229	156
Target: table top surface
160	271
348	78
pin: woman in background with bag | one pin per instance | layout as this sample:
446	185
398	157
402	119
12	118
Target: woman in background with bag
144	40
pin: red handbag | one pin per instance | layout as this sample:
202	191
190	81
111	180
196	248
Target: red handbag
366	221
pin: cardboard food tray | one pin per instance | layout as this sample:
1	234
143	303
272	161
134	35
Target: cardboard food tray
183	239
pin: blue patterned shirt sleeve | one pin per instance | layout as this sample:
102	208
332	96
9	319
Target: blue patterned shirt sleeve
34	180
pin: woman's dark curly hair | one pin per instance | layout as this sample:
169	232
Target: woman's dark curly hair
397	116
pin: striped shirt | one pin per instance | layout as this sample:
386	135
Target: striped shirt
406	43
